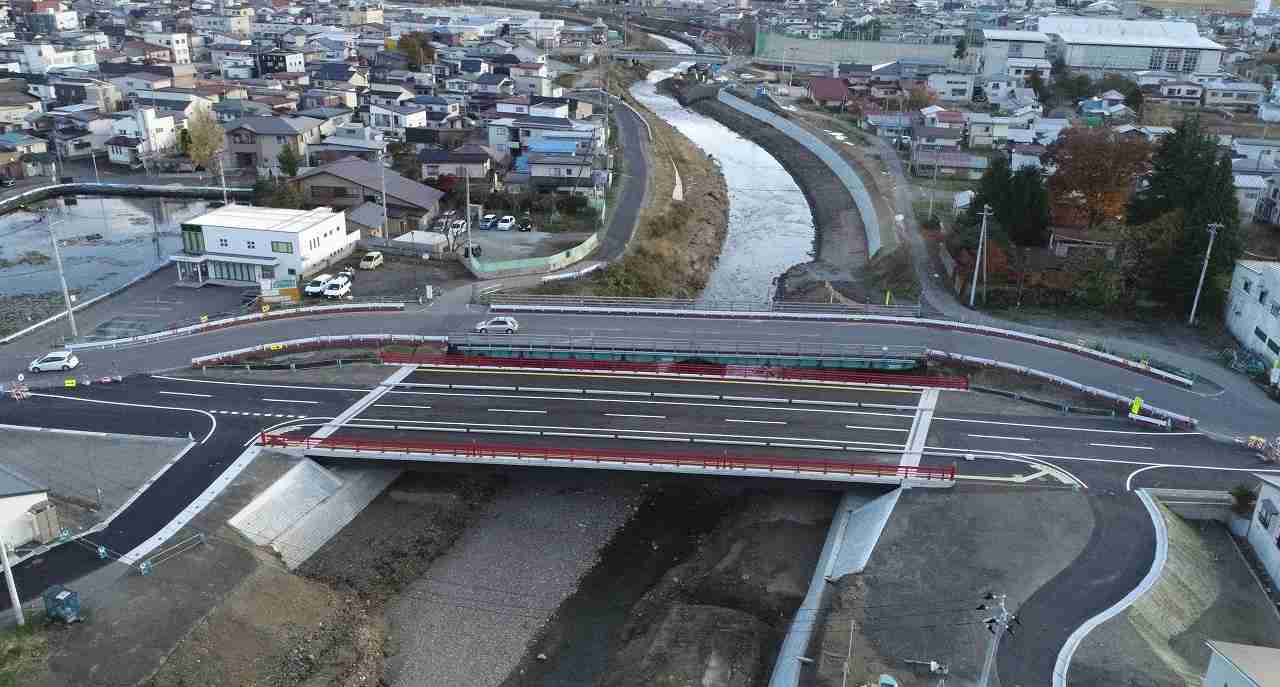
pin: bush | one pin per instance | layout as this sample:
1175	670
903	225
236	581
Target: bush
1245	499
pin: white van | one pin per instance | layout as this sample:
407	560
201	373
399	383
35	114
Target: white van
371	260
315	287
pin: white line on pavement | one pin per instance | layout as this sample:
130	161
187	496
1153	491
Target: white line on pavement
269	386
205	413
1140	448
180	393
757	422
993	436
1066	428
291	400
647	417
393	405
920	428
878	429
517	410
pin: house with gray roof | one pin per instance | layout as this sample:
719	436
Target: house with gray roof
351	182
256	142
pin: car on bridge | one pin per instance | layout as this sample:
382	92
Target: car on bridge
504	325
55	361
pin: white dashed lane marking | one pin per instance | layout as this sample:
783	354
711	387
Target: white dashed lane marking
247	413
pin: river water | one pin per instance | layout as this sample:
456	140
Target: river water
97	255
770	224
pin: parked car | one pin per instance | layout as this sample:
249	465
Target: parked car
525	224
315	287
488	221
503	324
339	287
507	223
371	260
8	182
56	360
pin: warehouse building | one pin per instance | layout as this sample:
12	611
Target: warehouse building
1096	46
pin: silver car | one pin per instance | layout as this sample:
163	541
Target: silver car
54	361
502	325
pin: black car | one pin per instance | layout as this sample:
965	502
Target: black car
524	224
7	182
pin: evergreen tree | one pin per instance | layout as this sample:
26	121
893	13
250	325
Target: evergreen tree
289	161
1019	201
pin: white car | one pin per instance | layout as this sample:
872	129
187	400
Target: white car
371	260
507	223
57	360
315	287
488	221
504	325
338	287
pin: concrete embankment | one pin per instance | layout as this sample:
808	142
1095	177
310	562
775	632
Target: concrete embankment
840	249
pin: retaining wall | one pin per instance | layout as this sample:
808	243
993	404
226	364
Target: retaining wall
500	269
847	176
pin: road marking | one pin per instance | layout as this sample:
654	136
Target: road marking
269	386
1140	448
757	422
291	400
393	405
878	429
1065	428
646	417
549	389
993	436
919	429
180	393
517	410
205	413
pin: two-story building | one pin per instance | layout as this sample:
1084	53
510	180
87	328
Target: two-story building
1233	95
480	163
560	172
394	119
140	134
1176	93
240	245
177	43
952	86
255	143
351	182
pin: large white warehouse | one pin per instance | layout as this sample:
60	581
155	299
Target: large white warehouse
1096	45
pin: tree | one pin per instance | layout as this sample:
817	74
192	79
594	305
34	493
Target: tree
204	138
1037	84
1094	172
289	161
184	141
416	46
920	97
1019	201
962	49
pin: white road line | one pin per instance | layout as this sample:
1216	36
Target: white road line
757	422
1140	448
205	413
549	390
646	417
517	410
291	400
920	429
269	386
993	436
180	393
393	405
878	429
1065	428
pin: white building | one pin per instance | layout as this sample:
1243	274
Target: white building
242	245
1253	311
396	118
1241	665
1249	190
18	494
952	86
1096	45
1237	95
175	42
1264	527
1002	46
140	134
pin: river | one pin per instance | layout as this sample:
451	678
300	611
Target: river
770	224
97	255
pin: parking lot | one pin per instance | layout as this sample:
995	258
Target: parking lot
514	245
400	277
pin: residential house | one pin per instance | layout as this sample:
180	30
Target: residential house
140	134
1253	317
533	78
23	144
177	43
480	163
255	143
338	74
74	91
236	108
1176	93
560	172
828	92
515	133
925	136
349	140
130	84
1234	95
351	182
949	163
494	85
142	51
240	245
16	107
393	119
1249	190
388	94
278	61
1001	47
952	86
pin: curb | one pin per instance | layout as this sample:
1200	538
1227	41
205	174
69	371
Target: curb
1063	664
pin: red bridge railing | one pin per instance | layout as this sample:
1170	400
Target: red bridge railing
481	452
780	373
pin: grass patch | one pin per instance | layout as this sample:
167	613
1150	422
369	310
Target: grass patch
31	257
894	273
23	651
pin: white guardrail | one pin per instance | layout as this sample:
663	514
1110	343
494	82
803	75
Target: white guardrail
284	346
232	321
870	319
1172	417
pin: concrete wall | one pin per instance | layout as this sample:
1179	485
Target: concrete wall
831	158
497	269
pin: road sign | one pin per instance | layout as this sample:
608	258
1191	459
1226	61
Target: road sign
266	307
1135	408
276	347
204	318
22	377
69	382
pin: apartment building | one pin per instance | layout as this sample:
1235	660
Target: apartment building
178	44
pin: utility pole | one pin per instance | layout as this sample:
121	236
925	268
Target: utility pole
62	276
1214	228
998	623
982	247
13	586
222	174
470	250
934	184
382	167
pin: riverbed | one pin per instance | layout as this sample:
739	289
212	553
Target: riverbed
98	254
770	225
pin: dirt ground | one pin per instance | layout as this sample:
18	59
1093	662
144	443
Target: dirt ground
401	276
1206	592
717	618
906	608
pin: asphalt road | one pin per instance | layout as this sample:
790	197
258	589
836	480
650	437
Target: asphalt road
626	211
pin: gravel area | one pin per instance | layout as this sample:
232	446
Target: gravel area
469	620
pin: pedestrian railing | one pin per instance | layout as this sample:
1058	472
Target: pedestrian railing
694	307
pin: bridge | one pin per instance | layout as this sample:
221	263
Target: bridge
664	56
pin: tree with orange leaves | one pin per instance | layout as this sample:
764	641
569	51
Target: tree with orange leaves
1094	173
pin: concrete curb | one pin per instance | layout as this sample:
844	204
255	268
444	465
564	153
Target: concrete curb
1063	664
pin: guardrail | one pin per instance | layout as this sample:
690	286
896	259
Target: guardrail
707	306
312	343
543	344
1116	360
203	327
481	452
686	370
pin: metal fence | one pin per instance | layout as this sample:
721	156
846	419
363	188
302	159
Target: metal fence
544	344
703	306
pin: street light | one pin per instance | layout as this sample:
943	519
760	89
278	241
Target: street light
1214	228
